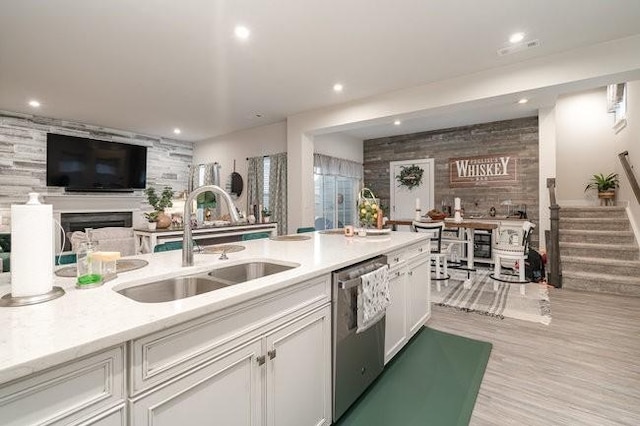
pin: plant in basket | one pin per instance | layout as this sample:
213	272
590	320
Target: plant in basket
368	208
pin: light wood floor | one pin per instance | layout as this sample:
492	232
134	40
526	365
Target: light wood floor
582	369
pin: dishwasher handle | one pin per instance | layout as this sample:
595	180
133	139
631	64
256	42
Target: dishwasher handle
354	282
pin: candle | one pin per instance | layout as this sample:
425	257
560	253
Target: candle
417	203
457	203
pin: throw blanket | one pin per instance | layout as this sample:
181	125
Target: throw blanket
373	297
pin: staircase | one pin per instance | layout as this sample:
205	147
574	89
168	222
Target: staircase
598	251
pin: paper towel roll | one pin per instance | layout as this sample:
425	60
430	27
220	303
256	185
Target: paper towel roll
31	249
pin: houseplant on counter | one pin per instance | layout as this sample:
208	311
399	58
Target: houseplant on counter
152	218
159	203
266	215
606	186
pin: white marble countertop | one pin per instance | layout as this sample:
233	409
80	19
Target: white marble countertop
84	321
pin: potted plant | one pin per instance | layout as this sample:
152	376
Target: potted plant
266	215
159	203
606	186
152	218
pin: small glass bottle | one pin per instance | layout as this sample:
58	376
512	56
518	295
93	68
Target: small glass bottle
89	267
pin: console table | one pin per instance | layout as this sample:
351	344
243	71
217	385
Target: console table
146	240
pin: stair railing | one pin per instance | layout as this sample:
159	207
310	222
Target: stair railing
552	238
628	170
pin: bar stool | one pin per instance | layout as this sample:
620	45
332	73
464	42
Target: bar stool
440	249
512	244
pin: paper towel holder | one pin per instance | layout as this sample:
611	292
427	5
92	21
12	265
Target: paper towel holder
9	301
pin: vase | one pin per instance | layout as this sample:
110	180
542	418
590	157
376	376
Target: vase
152	226
164	220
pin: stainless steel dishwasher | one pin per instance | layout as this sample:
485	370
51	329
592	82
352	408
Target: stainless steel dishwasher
358	358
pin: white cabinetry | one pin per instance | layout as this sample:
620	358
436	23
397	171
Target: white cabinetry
89	391
268	365
410	291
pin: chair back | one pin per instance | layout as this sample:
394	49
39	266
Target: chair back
168	246
305	229
255	236
514	237
434	229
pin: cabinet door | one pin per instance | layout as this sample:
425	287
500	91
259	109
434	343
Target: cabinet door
418	292
396	323
114	417
299	372
225	391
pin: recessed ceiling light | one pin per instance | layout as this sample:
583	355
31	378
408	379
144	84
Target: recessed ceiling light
34	103
516	38
337	87
242	32
177	131
523	101
397	122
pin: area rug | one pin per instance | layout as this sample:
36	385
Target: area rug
505	302
434	380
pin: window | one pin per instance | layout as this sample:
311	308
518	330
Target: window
336	186
617	105
266	163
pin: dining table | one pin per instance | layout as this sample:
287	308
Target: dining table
468	227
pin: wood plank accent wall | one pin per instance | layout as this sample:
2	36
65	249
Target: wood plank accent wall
23	152
519	137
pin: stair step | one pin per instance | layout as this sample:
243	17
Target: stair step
593	212
601	283
610	251
594	265
593	224
595	237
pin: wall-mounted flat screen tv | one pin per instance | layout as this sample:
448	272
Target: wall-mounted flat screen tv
89	165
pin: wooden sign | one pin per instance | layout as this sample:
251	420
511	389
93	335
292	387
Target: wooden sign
483	170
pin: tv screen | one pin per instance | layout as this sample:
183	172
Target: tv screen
81	164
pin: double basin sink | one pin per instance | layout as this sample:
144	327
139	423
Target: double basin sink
170	289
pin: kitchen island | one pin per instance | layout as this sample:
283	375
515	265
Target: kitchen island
136	355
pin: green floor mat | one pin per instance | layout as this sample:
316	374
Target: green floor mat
433	381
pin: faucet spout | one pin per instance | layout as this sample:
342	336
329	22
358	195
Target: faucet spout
187	239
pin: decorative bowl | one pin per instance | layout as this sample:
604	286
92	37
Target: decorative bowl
437	216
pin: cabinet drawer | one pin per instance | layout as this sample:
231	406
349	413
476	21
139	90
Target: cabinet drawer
417	250
65	394
162	355
397	257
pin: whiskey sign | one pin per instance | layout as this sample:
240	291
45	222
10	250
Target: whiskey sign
483	170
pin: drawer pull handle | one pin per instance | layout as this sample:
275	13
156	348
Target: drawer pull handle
272	354
410	273
261	359
396	259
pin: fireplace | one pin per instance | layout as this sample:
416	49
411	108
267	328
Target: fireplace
80	221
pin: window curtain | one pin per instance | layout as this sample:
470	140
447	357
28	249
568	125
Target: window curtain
210	175
326	165
278	190
255	182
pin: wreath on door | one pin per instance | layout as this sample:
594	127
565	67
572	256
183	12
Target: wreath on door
410	176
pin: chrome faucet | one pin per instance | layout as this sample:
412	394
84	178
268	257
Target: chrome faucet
187	240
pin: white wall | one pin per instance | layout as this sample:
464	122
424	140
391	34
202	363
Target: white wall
259	141
628	139
585	145
580	69
339	145
547	146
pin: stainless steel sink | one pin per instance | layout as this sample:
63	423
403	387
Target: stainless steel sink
171	289
247	271
181	287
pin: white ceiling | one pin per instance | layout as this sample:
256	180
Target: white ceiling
152	65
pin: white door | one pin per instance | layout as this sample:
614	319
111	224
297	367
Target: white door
403	199
299	372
